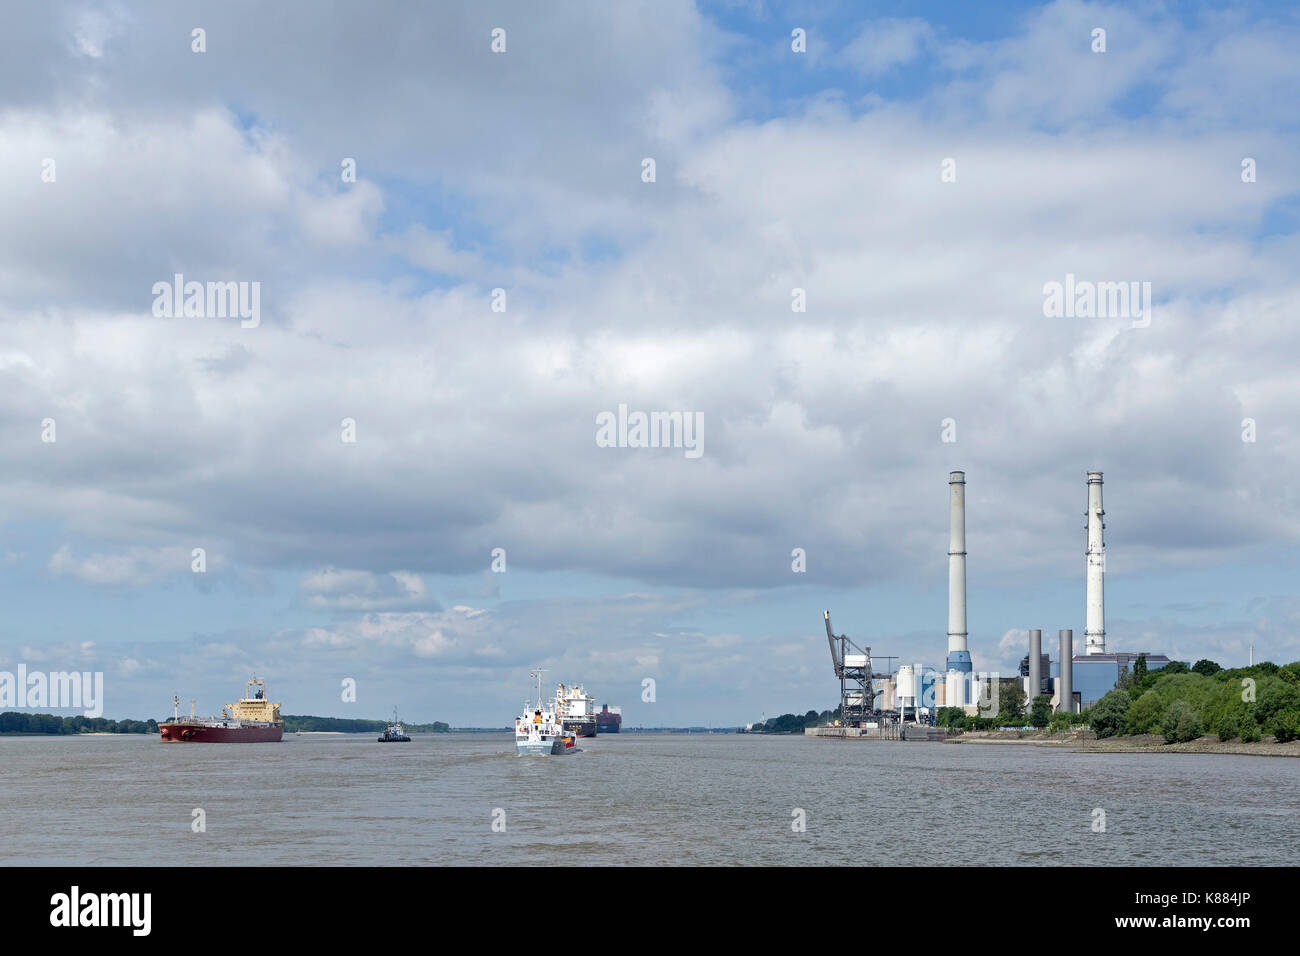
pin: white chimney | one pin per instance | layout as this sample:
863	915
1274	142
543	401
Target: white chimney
958	656
1095	629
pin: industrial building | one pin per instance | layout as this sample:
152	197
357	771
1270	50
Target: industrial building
1086	678
913	694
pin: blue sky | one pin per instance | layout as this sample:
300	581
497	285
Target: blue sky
522	171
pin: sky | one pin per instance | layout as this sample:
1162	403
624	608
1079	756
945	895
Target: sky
502	270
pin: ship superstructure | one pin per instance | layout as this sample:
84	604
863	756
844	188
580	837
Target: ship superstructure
577	710
394	733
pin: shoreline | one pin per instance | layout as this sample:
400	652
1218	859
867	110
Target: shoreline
1140	744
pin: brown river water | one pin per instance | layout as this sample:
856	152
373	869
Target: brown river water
635	800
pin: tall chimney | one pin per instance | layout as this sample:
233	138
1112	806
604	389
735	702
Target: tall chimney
1035	664
1065	682
958	656
1095	629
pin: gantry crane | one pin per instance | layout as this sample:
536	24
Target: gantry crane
853	668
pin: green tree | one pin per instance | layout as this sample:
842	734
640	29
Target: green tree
1109	716
950	717
1011	703
1040	715
1180	723
1058	724
1140	669
1206	667
1126	680
1285	725
1229	726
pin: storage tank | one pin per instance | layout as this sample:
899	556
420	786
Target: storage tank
955	689
907	691
888	699
906	684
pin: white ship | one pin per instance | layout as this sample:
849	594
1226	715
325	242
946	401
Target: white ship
577	711
538	729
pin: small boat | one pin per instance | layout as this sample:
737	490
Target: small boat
539	729
394	733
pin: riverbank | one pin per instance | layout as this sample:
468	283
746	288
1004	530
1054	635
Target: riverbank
1085	741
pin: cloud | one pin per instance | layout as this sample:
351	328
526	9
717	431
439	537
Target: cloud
333	589
474	428
885	44
136	567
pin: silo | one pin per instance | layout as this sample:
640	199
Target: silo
955	689
906	689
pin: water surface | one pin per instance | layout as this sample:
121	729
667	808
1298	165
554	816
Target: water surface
635	799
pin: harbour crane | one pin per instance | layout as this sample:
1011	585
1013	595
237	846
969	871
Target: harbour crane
853	668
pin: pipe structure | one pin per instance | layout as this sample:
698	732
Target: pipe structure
958	655
1035	664
1065	682
1095	626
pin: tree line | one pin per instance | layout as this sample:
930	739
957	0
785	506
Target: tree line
1248	703
293	723
14	722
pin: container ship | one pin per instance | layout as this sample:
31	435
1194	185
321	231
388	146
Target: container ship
577	710
609	721
254	719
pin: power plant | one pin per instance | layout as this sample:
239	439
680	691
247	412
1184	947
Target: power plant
1077	682
874	699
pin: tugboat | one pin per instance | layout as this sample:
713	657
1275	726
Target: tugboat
538	730
394	733
253	720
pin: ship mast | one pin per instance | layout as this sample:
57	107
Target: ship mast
538	672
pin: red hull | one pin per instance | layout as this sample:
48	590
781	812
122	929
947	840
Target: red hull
199	734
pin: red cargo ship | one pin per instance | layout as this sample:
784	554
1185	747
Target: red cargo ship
253	720
609	721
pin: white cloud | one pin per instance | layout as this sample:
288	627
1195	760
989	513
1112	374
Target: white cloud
884	44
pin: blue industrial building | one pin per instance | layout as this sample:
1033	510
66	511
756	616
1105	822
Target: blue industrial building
1094	675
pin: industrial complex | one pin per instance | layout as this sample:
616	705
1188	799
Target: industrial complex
874	698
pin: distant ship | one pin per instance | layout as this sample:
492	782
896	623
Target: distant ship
394	733
609	721
538	729
254	719
577	710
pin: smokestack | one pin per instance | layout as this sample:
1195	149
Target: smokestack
1095	628
1035	664
1065	682
958	656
